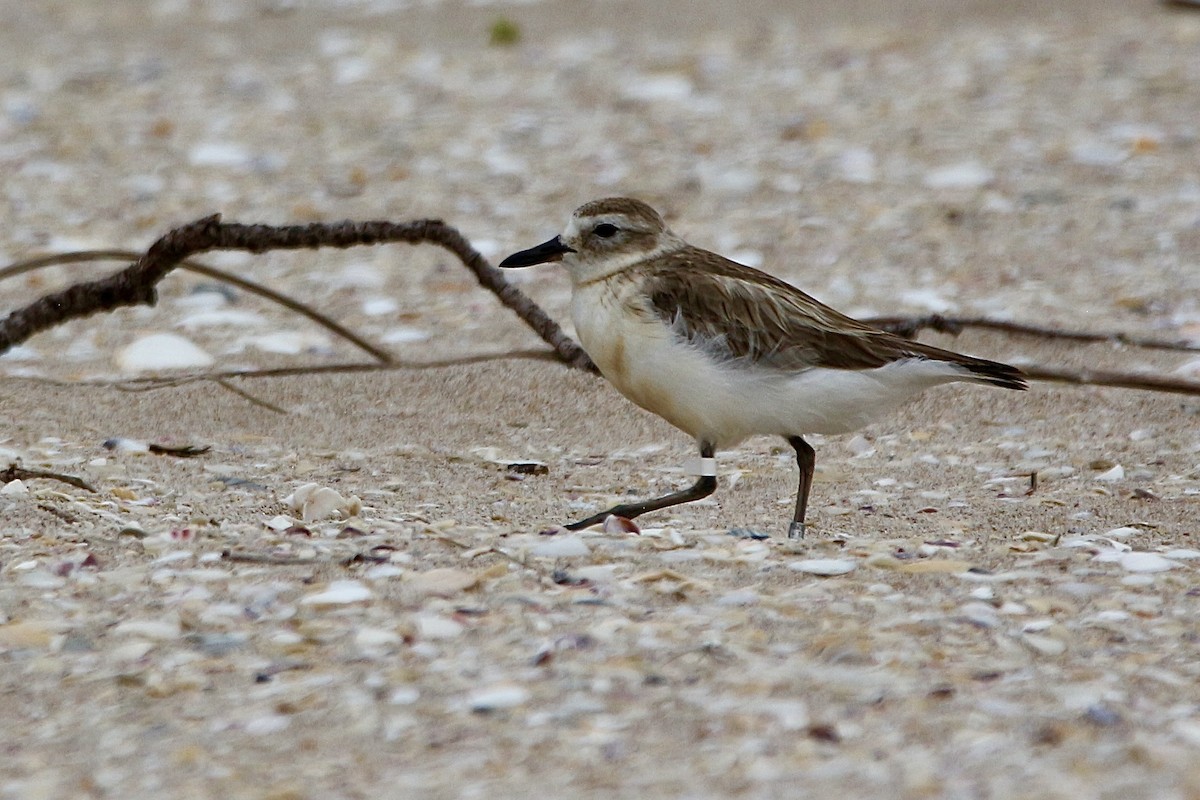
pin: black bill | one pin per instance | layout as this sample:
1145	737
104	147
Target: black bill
552	250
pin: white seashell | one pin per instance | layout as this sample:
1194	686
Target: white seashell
857	165
434	626
162	351
290	343
267	724
1123	532
823	566
404	336
296	500
861	447
405	696
655	88
219	154
223	317
1098	154
1146	562
966	175
322	503
280	522
560	547
155	630
313	502
601	573
441	582
376	640
500	696
378	306
339	593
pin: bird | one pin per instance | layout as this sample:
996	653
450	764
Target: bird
724	351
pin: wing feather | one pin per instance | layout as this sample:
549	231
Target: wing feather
743	313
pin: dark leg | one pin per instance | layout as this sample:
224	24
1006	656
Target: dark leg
806	459
703	487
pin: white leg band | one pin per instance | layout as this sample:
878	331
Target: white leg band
701	467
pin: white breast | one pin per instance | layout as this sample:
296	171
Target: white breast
724	402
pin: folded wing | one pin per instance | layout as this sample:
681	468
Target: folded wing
749	315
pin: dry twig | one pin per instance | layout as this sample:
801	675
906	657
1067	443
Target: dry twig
136	284
191	265
911	326
269	559
1082	377
16	473
179	451
1120	380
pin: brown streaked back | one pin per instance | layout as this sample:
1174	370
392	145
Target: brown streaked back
768	322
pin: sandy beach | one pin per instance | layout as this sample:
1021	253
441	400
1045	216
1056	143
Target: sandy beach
195	628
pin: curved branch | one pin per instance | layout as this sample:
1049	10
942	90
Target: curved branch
911	326
328	323
151	382
1121	380
136	284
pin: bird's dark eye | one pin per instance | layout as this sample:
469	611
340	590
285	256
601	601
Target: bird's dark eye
605	230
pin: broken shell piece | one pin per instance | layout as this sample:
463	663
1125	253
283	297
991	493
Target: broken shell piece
313	502
442	582
616	524
280	522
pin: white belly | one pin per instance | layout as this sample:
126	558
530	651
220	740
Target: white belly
725	402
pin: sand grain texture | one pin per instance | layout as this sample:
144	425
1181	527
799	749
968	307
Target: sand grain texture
940	633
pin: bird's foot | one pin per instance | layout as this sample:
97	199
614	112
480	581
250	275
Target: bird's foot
796	530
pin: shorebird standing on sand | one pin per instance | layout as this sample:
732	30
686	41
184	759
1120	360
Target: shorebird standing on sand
723	351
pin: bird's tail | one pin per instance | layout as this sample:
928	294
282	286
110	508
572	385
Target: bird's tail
995	373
